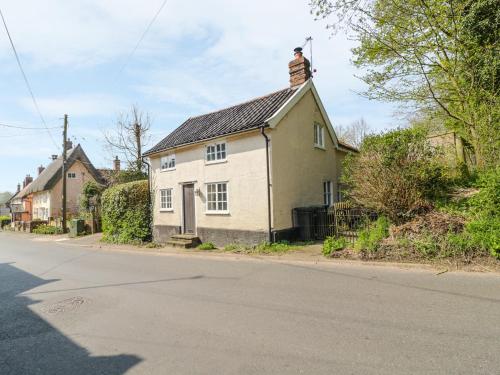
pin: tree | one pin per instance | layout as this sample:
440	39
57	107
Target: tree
431	54
354	133
130	137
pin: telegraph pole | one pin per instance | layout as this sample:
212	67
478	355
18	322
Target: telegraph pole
65	141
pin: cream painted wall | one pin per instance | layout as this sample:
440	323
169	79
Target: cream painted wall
244	170
73	191
298	168
41	205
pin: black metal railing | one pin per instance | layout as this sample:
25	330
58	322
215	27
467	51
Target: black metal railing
340	220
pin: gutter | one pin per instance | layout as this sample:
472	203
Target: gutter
268	185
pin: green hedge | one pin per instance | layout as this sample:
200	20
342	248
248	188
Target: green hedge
126	214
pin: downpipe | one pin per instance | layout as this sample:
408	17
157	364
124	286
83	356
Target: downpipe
270	234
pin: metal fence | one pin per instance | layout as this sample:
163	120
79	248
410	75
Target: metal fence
340	220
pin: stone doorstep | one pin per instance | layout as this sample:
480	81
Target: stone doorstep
184	240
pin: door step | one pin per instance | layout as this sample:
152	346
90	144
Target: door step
185	241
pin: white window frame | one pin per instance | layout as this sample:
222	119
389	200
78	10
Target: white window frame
216	150
71	175
319	135
170	162
217	211
166	200
327	193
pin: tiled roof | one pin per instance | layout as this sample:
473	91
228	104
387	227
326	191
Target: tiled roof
347	145
245	116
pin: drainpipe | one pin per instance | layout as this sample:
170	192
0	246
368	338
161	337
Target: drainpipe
268	184
149	194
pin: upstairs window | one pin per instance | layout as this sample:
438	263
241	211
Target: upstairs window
319	135
327	193
215	152
168	162
71	175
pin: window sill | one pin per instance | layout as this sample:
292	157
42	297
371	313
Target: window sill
167	170
320	147
215	162
216	212
167	210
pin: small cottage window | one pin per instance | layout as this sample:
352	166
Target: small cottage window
168	162
216	152
319	135
327	193
166	199
217	201
71	175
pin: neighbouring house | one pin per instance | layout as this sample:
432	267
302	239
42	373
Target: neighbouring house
5	203
42	198
109	176
236	174
21	206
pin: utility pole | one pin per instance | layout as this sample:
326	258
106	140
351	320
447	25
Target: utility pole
65	141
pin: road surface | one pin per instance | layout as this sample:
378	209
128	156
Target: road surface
73	310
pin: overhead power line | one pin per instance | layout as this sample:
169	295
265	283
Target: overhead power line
27	128
142	37
26	79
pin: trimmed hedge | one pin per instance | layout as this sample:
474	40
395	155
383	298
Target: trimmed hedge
126	214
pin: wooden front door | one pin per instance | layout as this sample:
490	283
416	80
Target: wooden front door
188	208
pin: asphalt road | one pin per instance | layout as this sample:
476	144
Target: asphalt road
73	310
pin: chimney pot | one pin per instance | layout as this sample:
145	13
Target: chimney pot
41	168
299	68
69	145
116	164
53	157
18	188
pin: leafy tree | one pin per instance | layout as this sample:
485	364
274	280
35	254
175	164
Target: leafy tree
439	55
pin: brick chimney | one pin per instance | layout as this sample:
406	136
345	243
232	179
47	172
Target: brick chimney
116	164
41	168
69	145
27	180
299	68
18	188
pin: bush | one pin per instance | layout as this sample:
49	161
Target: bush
47	229
369	239
332	244
126	214
207	246
483	228
4	220
397	174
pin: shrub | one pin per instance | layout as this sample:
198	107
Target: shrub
332	244
4	220
47	229
483	228
207	246
369	239
397	174
126	214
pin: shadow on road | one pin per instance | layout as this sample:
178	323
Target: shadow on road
30	345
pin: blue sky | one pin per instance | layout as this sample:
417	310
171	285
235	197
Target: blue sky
196	58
